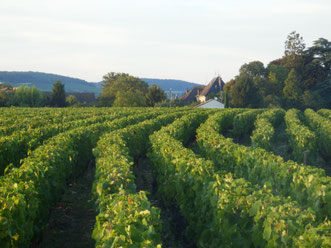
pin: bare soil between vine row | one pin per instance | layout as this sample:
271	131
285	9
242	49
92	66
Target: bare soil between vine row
72	219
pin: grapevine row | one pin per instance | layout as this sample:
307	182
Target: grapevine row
28	192
325	113
307	185
264	131
133	222
221	210
301	139
15	147
243	123
322	128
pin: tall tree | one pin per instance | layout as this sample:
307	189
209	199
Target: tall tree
129	99
253	69
294	45
58	98
243	92
321	52
111	77
226	100
154	95
292	90
294	49
120	82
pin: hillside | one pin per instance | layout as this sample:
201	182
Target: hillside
44	82
166	84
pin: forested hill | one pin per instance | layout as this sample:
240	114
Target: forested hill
44	82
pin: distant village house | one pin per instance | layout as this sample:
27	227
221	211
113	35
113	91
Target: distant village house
201	93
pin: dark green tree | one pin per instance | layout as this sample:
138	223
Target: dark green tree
3	99
311	99
323	88
292	90
154	95
253	69
58	98
321	53
226	100
243	92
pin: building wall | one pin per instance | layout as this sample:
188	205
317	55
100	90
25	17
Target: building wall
201	98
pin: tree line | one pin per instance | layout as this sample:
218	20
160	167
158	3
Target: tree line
300	79
124	90
119	90
25	96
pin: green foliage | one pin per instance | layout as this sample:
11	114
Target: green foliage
26	96
322	127
230	195
226	100
264	131
154	95
301	138
58	98
71	100
130	90
243	92
243	123
301	79
294	45
253	69
316	236
134	222
5	98
21	142
221	210
28	192
311	99
324	90
129	99
325	113
292	90
277	73
304	184
321	51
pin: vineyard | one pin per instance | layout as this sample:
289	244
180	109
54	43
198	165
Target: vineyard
165	177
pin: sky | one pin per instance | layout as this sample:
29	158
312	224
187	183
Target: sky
191	40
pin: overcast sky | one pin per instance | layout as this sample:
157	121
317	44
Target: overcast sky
192	40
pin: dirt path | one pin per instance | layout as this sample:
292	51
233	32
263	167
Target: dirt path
280	145
72	219
173	223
